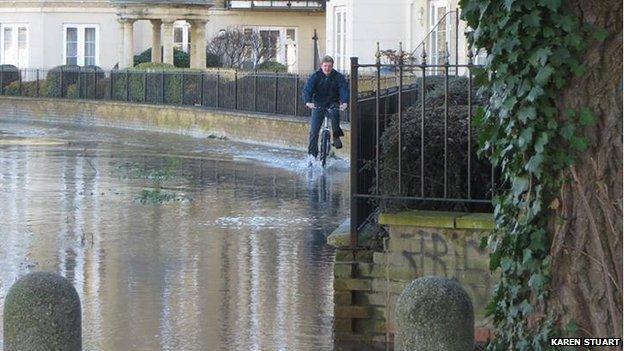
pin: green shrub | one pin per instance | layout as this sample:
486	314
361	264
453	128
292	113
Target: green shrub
61	77
72	92
181	59
154	65
9	74
272	66
28	88
145	83
434	127
12	89
213	60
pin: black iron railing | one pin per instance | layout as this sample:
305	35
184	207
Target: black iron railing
253	91
414	146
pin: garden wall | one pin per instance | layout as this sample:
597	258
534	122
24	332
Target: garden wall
367	282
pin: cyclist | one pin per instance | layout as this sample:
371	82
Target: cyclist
325	88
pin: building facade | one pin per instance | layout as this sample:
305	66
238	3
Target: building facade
107	33
355	26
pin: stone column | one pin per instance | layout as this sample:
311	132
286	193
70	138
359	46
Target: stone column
120	46
198	44
128	44
156	53
167	41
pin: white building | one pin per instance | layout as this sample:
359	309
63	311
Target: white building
355	26
48	33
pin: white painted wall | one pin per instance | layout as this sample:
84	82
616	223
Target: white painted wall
387	22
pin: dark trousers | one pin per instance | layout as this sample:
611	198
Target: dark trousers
318	116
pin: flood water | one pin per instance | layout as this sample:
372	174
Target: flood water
173	242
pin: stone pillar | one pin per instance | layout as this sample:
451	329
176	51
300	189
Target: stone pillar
128	44
434	313
120	47
198	44
42	312
167	41
156	52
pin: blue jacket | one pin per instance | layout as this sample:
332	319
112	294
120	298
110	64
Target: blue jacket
324	90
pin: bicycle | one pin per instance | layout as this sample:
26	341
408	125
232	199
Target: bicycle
325	141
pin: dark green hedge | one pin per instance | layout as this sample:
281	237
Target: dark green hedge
181	59
434	127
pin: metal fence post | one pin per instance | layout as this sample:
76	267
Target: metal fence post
61	81
162	86
423	88
144	87
236	90
182	92
400	111
19	73
37	84
353	118
110	86
1	80
201	90
217	91
275	102
296	95
255	88
127	85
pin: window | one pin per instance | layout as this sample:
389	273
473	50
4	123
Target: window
81	44
340	37
181	37
281	44
14	43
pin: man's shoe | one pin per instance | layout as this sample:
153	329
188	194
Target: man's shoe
311	160
337	143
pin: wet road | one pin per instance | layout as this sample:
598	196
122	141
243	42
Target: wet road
172	242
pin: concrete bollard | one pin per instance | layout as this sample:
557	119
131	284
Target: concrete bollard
42	312
434	313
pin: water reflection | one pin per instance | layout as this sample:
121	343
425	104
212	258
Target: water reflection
237	261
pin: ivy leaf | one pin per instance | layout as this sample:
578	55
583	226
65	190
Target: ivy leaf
506	264
535	93
579	143
534	163
565	23
537	281
519	185
527	113
509	4
544	74
600	34
552	5
586	117
532	19
540	56
541	141
568	131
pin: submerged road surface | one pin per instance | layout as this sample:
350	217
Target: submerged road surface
172	242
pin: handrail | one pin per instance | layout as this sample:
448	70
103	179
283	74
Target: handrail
413	54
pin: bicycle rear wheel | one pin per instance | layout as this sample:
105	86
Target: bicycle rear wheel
324	147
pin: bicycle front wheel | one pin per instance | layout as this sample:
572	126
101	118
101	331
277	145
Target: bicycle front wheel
325	145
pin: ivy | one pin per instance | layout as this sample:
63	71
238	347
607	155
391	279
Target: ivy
533	47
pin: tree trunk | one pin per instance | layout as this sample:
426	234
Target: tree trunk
587	243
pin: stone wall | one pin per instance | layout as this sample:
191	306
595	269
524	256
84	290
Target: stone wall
274	130
367	283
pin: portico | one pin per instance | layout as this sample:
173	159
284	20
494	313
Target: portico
161	15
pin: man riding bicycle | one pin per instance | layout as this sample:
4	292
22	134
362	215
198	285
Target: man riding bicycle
324	89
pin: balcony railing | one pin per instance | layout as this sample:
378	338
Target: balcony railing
297	5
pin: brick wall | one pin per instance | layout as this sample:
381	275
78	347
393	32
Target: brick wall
367	283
